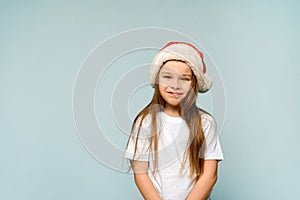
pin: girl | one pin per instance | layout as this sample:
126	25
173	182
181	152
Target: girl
174	147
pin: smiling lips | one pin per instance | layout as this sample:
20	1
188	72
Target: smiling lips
175	93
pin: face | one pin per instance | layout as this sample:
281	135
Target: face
175	78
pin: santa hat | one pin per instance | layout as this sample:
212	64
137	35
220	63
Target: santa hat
188	53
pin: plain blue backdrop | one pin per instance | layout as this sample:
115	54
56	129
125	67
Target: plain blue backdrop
255	45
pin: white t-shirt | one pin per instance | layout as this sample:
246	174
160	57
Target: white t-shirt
171	181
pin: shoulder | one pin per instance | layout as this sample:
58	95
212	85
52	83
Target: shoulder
146	120
207	120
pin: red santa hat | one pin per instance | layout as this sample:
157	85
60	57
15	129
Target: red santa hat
188	53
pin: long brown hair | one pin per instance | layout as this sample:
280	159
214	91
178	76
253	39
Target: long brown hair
189	112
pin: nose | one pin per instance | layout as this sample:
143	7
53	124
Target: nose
175	84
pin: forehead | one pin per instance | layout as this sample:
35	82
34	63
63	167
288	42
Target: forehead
178	67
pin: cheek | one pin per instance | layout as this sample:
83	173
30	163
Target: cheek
164	82
161	88
187	85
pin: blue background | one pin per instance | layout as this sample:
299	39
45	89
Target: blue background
255	45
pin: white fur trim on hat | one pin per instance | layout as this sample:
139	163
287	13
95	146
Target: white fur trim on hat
184	52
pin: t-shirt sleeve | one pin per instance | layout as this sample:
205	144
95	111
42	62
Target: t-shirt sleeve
213	149
141	141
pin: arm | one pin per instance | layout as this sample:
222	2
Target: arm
143	181
206	181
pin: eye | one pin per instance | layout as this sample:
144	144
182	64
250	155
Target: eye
167	77
185	79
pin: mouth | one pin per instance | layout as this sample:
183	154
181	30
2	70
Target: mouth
175	94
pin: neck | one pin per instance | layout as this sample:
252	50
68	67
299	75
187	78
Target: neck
172	111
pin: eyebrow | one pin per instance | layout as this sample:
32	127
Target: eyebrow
166	72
